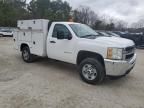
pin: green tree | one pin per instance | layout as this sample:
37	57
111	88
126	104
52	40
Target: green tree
11	11
110	26
53	10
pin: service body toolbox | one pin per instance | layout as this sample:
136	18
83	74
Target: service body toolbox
34	33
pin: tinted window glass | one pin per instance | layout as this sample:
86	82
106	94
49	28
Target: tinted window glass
62	28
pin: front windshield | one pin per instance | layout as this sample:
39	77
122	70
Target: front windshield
82	30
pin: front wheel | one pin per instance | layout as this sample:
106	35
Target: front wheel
91	71
26	55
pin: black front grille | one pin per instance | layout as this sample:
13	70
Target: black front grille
129	56
130	49
129	52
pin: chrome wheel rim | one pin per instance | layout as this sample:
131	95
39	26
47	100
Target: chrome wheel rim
89	72
25	55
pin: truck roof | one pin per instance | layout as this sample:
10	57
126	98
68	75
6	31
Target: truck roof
67	22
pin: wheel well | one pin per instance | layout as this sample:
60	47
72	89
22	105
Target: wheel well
87	54
23	45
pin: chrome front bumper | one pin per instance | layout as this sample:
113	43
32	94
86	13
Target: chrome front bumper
119	68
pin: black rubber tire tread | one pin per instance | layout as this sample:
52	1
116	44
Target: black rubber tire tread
30	60
99	67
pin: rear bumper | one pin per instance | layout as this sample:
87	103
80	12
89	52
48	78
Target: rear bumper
119	68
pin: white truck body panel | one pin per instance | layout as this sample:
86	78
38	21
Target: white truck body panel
36	24
34	33
15	37
64	50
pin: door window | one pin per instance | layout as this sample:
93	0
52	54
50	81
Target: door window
60	28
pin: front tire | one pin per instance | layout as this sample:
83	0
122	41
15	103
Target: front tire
91	71
26	55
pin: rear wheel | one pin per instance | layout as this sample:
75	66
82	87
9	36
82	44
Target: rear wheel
26	55
91	71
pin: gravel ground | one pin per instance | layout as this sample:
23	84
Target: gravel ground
50	84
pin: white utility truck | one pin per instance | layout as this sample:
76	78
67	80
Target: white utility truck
96	56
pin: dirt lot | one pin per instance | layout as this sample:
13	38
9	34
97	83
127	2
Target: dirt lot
50	84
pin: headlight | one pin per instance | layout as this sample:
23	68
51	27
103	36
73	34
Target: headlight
115	53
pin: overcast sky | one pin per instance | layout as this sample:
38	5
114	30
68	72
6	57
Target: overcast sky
127	10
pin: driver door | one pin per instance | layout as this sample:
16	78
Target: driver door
60	49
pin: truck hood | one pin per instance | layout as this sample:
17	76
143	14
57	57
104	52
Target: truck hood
114	42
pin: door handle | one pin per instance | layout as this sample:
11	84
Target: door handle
52	42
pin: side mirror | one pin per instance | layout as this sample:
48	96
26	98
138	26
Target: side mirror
60	35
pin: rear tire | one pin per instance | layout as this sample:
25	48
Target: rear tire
91	71
26	55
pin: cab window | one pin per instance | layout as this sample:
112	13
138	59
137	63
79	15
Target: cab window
60	28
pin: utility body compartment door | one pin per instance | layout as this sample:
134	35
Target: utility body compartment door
38	44
25	35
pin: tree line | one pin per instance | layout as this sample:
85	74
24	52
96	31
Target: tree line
55	10
100	22
13	10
